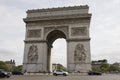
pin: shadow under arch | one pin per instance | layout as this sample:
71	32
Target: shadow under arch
51	37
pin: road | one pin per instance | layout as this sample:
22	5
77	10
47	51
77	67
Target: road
70	77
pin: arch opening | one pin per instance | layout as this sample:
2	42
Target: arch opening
59	54
53	37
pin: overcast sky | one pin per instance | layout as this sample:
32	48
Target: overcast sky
104	28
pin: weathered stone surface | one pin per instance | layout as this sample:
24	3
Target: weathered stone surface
78	31
44	26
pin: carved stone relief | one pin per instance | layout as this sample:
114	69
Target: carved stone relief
34	33
33	54
78	31
79	53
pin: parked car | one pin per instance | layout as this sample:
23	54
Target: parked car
4	74
60	72
94	73
17	73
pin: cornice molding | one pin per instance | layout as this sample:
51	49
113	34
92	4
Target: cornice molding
58	9
88	16
68	40
35	41
76	39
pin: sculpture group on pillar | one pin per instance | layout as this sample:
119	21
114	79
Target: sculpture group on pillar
33	54
79	53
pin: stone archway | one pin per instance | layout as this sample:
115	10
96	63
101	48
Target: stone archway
44	26
51	37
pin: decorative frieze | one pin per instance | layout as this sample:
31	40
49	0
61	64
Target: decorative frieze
57	11
79	31
34	33
58	22
58	17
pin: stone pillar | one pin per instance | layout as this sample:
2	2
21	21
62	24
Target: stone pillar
78	56
40	64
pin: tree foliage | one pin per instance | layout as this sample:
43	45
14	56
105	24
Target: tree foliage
114	68
4	66
96	69
104	67
17	68
61	67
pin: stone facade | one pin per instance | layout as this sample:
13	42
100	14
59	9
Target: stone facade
44	26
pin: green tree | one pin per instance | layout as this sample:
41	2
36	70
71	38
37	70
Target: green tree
20	67
4	66
61	67
104	67
114	68
17	68
96	69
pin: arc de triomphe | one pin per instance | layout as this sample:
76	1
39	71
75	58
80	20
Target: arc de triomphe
44	26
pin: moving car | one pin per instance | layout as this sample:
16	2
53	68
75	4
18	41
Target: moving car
60	72
4	74
94	73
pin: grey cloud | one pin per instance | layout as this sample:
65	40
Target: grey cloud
5	52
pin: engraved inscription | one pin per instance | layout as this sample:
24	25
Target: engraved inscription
34	33
79	53
78	31
33	54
